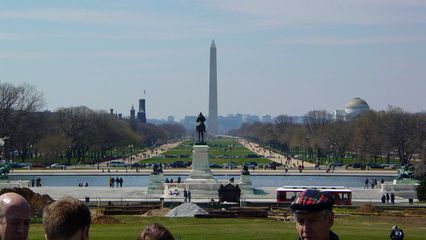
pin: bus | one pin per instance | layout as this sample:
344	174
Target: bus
287	194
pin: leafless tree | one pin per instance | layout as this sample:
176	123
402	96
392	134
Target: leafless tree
401	132
16	102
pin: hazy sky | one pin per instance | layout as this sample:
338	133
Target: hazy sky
274	57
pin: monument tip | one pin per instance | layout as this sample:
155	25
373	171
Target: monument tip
213	45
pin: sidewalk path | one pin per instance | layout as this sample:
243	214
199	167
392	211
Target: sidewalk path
273	156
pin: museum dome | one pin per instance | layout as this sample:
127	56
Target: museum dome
356	106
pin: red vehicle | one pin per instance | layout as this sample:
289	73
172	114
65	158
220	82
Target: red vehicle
342	195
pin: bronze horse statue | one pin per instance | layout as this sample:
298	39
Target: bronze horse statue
201	127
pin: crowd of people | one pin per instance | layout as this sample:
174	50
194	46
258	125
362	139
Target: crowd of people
372	182
388	198
118	182
69	218
36	182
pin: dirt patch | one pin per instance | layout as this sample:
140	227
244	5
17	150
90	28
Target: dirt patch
369	208
103	219
418	211
36	201
156	212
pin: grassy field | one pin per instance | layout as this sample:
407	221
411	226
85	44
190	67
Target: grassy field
347	227
221	151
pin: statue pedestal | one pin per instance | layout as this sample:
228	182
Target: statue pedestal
200	164
201	181
156	184
245	184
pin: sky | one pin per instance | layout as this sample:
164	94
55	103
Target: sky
273	57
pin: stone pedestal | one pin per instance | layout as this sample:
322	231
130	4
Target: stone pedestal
201	181
156	184
245	184
200	164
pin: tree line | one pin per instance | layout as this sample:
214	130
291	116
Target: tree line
368	137
73	132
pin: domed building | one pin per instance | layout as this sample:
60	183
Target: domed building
353	108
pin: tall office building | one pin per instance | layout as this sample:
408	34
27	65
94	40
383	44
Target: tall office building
212	121
132	114
142	112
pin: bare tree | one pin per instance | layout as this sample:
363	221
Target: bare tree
368	138
15	103
401	132
53	146
315	119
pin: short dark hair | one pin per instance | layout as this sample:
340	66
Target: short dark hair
155	231
62	219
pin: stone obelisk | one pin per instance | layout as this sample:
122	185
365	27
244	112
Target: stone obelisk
212	122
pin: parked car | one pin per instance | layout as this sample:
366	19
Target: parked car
214	165
254	163
249	165
136	165
336	164
38	165
58	165
391	165
357	165
373	165
229	165
177	164
117	164
20	164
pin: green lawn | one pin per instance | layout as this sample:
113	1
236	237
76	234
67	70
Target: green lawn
347	227
221	151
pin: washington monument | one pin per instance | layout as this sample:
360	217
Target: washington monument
212	118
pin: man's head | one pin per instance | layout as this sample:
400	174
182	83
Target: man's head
155	232
313	214
14	217
67	218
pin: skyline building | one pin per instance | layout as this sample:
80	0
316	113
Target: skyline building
212	120
142	111
132	114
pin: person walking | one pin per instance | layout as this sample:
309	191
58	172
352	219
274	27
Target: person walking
366	183
189	195
383	199
387	198
185	195
392	198
111	182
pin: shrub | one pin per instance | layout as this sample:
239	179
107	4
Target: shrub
421	190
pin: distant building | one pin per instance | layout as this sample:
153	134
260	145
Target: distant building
142	111
132	114
170	119
353	108
189	122
248	118
229	122
266	118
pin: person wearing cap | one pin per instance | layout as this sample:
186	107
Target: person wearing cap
313	212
